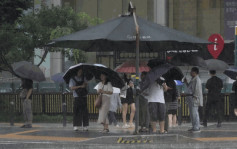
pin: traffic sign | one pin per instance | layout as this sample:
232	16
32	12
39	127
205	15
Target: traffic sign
216	49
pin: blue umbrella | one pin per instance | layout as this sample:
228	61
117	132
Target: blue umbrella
58	77
178	83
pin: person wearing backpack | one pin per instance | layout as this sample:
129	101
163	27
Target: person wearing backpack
78	85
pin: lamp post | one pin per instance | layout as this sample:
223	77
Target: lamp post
235	45
133	12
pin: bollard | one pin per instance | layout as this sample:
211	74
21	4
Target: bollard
12	113
64	108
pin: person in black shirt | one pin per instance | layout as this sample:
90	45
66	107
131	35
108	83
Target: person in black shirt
26	95
214	86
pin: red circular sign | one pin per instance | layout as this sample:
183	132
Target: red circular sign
216	49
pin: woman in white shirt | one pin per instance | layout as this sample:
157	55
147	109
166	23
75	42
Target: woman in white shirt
106	89
156	104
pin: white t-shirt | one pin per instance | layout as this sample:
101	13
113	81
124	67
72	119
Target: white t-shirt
107	87
156	93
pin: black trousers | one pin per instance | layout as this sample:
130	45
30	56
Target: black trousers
80	112
112	118
212	106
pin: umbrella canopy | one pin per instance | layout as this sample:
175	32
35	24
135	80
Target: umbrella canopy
119	34
215	64
231	72
58	77
27	70
95	70
188	60
154	74
155	62
129	67
174	74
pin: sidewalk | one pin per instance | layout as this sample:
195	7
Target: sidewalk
48	135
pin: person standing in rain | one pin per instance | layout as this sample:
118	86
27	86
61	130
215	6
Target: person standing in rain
115	102
194	99
213	86
105	88
171	96
234	88
143	108
78	84
26	96
126	100
156	104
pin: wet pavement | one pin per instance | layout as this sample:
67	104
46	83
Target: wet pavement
56	136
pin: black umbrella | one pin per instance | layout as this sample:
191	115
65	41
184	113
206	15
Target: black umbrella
188	60
27	70
154	74
174	74
215	64
231	72
155	62
119	34
95	70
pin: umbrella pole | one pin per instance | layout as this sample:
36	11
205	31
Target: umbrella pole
137	68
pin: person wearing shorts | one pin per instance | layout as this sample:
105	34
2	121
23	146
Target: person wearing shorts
156	104
127	99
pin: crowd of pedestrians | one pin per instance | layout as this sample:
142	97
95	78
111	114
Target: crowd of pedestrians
157	104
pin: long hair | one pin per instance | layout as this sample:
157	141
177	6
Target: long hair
126	79
106	80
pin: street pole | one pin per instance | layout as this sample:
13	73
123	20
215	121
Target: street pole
137	67
236	46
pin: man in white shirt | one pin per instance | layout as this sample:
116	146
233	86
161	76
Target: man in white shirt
156	104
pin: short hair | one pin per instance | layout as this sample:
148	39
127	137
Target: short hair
195	69
213	72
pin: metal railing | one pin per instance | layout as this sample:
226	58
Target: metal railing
52	104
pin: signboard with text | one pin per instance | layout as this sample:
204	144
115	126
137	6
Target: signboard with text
230	18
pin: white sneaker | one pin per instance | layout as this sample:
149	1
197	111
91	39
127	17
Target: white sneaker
85	128
131	125
75	128
117	126
125	126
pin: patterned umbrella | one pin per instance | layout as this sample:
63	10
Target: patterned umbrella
27	70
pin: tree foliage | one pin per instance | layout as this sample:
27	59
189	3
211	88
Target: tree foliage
30	31
10	10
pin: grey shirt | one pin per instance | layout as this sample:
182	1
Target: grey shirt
195	88
73	83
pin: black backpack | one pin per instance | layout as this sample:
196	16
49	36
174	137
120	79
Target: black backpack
81	92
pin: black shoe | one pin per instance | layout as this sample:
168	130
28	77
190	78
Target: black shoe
218	125
28	126
204	124
23	126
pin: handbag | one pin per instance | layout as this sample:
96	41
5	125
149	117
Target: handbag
81	92
98	100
